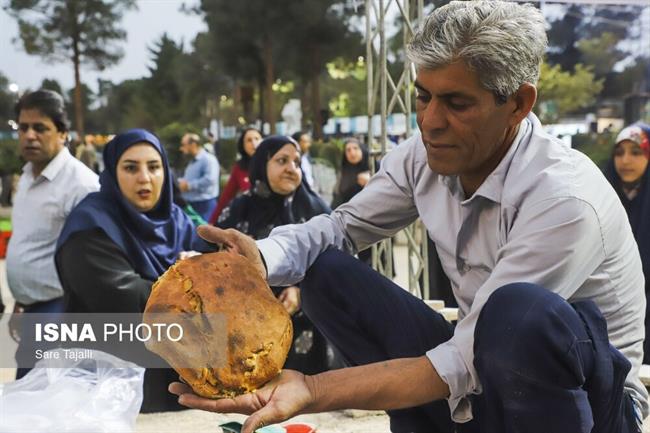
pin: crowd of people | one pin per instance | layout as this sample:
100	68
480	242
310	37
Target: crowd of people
545	257
84	243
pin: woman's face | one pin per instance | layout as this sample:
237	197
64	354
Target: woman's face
283	170
140	176
629	161
353	153
252	139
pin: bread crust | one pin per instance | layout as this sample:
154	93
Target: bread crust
259	331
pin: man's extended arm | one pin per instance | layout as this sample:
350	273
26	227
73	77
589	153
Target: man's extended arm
392	384
380	210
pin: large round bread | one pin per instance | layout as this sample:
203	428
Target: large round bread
259	331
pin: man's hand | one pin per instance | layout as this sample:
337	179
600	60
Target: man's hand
235	241
363	178
287	395
290	298
14	322
183	185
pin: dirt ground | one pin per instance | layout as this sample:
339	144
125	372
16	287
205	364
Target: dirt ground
196	421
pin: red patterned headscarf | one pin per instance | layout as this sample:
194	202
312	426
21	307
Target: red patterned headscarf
638	135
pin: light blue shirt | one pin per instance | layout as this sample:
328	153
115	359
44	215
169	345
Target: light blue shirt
202	175
41	206
545	215
307	170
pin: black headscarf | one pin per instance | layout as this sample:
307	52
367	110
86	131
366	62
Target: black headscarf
348	186
638	208
151	240
260	210
244	158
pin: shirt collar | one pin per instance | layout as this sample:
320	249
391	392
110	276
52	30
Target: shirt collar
492	186
53	168
199	155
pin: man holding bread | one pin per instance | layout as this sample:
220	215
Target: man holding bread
536	244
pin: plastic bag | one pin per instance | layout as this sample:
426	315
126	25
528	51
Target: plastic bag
89	395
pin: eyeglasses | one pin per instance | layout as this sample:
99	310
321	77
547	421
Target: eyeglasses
38	128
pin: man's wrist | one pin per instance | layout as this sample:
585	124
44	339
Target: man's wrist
315	386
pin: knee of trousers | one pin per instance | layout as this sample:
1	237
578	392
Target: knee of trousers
527	330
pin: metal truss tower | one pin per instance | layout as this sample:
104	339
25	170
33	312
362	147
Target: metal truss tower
387	95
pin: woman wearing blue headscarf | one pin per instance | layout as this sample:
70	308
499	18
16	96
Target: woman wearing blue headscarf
119	240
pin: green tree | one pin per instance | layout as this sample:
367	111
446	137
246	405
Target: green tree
177	90
257	42
345	87
634	78
202	83
320	34
7	103
246	36
163	90
590	35
601	52
52	84
580	22
123	107
170	137
562	92
80	31
87	100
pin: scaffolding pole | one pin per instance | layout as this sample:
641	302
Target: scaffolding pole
387	96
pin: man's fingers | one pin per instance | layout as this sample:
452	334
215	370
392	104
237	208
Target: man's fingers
214	234
261	418
241	404
179	388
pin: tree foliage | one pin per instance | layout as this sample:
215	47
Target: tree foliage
80	31
257	42
7	102
562	92
52	84
601	52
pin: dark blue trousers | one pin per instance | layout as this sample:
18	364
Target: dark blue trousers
204	207
25	350
545	366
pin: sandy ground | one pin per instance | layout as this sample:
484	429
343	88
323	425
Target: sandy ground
196	421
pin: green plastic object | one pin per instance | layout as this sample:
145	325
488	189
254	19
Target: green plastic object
231	427
235	427
5	225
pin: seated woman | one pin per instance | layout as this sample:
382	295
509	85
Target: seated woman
628	173
238	182
119	240
355	172
279	195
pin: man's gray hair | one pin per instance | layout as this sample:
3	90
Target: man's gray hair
504	42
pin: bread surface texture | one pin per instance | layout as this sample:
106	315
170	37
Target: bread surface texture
209	292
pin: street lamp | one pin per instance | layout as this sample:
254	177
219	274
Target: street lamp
13	88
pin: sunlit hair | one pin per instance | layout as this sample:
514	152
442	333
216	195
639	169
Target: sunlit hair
504	42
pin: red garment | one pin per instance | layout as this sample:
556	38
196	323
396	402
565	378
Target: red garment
238	182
